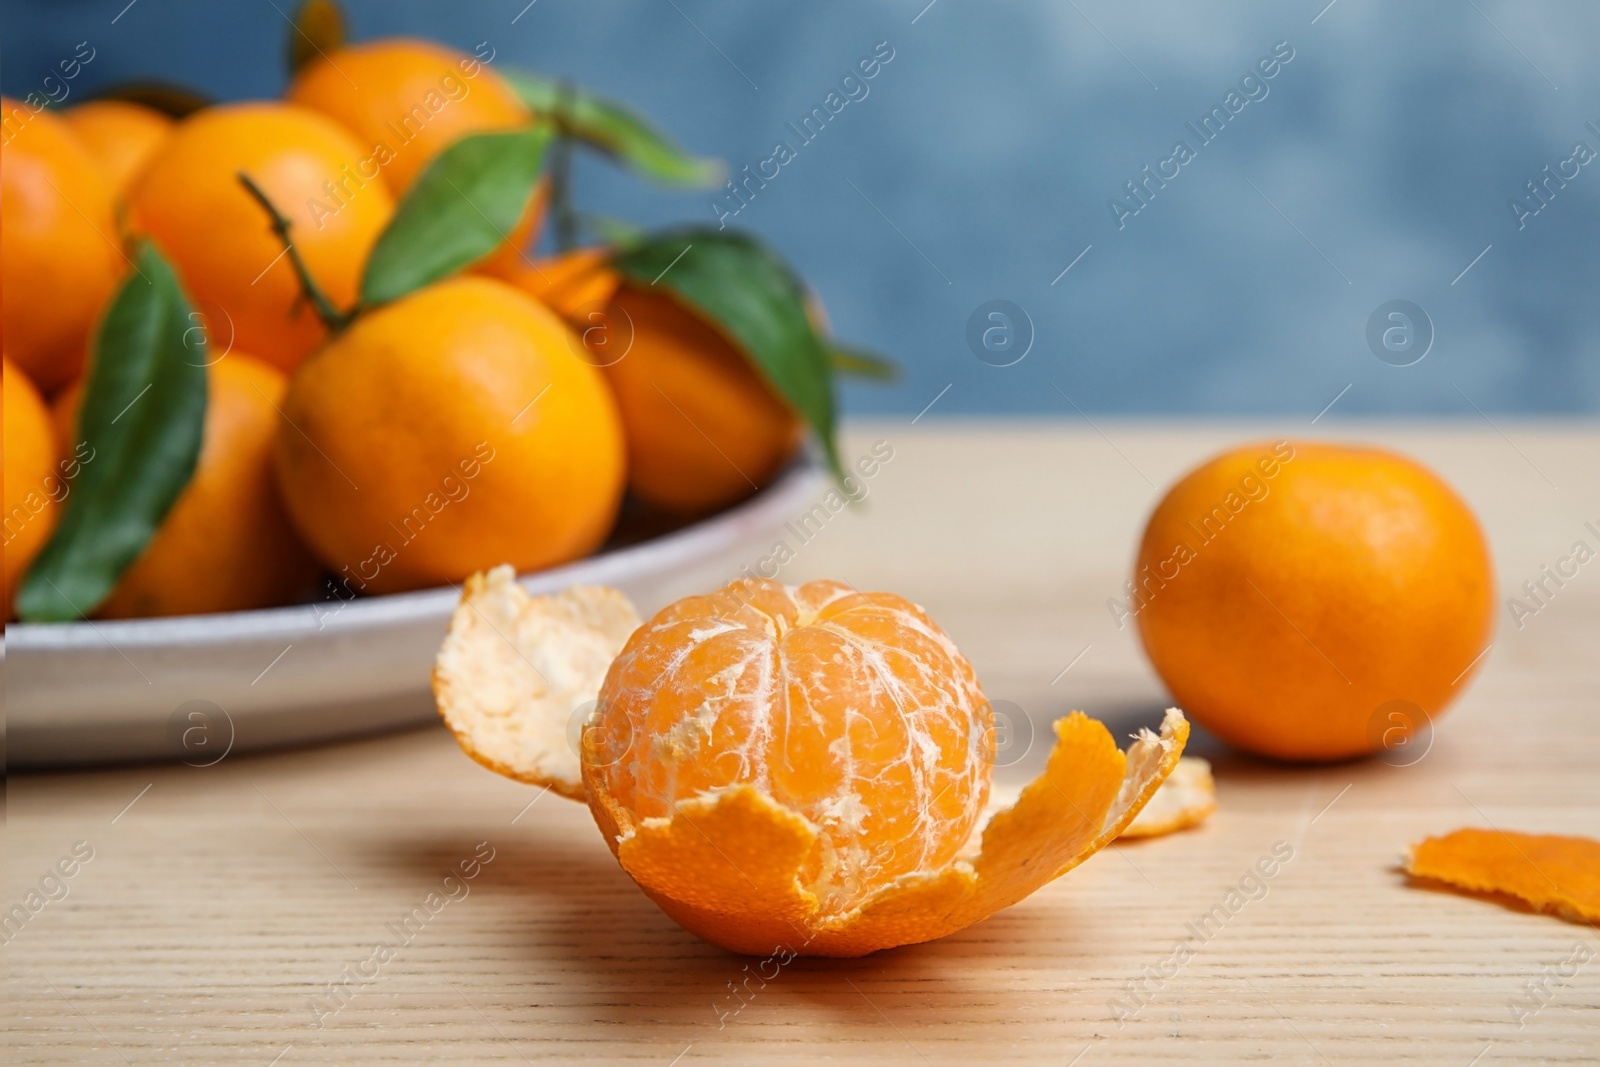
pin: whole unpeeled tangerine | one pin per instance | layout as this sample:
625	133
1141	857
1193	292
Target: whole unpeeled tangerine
33	487
60	242
705	428
122	136
448	431
1288	593
189	200
228	523
408	100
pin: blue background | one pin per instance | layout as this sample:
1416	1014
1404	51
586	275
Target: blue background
983	159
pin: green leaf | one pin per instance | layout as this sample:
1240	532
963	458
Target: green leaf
619	233
319	29
744	289
143	413
614	129
860	363
459	210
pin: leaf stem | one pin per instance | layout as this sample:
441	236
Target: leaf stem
331	317
561	171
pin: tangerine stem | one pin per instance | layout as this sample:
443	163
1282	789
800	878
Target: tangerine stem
331	317
561	171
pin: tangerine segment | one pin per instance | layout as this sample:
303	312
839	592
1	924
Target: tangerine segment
515	669
852	710
1555	874
728	865
1187	798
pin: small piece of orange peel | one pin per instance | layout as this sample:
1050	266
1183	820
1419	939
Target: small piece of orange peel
1551	873
726	866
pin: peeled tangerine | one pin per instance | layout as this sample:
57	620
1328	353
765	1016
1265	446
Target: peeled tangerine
778	766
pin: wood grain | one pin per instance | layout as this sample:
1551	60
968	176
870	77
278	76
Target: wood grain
221	901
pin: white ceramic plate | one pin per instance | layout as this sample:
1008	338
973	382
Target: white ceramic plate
199	686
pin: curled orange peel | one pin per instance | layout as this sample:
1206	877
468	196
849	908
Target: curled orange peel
514	669
727	865
1187	798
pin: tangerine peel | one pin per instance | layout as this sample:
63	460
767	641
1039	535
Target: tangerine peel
1551	873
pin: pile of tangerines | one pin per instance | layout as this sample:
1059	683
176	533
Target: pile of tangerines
252	344
264	342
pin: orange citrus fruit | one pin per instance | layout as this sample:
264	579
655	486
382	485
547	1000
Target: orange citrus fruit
1312	601
448	431
799	771
226	545
190	201
408	100
121	136
59	243
704	427
33	484
574	285
851	709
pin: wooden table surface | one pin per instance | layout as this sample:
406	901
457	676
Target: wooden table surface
220	903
